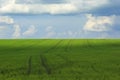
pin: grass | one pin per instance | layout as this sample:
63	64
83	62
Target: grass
70	59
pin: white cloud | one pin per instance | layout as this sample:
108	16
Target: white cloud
71	6
39	8
3	30
31	30
2	27
99	23
72	33
6	19
88	4
50	32
49	28
62	33
17	31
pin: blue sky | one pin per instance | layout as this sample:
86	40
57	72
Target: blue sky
59	19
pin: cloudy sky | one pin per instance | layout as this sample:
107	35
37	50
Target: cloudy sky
59	19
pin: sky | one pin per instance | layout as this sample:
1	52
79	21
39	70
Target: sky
21	19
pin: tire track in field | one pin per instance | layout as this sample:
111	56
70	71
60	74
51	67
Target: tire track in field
32	43
53	47
21	45
29	69
43	59
68	62
94	68
88	44
44	63
67	48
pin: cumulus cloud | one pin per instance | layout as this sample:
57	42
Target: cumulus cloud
6	20
49	28
66	6
50	32
52	1
71	33
17	31
3	30
39	8
31	31
68	34
99	23
2	27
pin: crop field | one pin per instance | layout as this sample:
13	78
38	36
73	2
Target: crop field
60	59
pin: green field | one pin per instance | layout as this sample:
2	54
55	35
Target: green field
60	59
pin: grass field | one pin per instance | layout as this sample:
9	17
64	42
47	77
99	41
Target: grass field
60	59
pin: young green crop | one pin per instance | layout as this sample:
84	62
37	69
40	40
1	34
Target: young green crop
70	59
